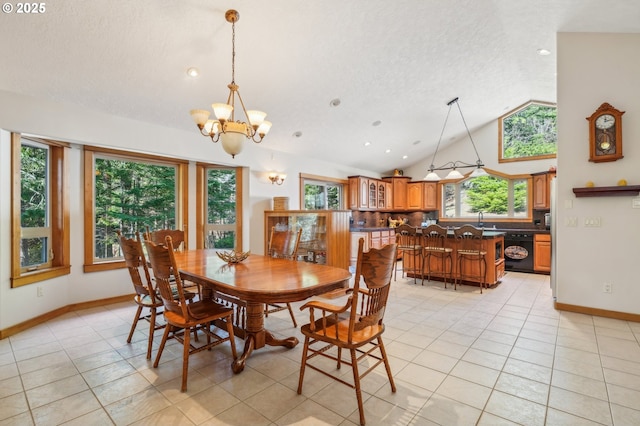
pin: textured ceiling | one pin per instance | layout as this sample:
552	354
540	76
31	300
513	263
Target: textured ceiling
399	62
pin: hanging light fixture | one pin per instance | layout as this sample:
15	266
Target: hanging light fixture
453	166
231	133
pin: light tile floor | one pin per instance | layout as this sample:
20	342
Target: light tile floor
458	357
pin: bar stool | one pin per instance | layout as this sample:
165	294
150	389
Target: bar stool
408	241
469	250
433	244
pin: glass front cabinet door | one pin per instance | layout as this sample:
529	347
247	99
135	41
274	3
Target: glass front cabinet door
325	234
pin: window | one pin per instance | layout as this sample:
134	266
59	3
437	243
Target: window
528	133
40	210
320	193
220	195
128	193
496	196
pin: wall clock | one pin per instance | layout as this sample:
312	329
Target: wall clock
605	134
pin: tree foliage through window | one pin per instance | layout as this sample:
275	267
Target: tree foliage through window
529	132
129	196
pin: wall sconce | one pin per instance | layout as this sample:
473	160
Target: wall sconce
276	178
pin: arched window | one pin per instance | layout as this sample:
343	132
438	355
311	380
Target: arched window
497	196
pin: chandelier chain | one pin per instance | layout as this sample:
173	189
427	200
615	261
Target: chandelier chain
233	52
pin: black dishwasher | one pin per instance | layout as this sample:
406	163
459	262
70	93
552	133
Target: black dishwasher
518	251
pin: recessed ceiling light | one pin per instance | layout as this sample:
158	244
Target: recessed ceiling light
297	134
544	52
376	123
404	157
367	143
387	151
334	102
416	142
193	72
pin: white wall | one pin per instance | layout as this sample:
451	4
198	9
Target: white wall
80	126
592	69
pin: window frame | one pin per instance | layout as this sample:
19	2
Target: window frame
501	119
201	203
91	264
58	209
309	178
511	178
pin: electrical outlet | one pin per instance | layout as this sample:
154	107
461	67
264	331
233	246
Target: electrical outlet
592	222
39	292
606	287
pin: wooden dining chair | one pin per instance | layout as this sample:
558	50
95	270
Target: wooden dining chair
183	317
179	243
357	326
145	295
470	255
159	236
283	245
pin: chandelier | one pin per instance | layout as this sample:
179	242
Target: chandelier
225	129
453	166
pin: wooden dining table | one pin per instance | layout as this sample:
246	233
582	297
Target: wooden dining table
258	280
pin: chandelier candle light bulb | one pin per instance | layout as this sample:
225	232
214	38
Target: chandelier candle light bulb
225	129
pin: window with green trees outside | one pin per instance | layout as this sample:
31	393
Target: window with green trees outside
528	133
495	196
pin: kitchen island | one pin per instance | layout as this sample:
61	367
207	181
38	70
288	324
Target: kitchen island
492	243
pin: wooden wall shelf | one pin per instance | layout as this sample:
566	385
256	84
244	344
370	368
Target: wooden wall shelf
607	191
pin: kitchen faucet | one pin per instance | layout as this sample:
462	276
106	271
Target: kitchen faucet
480	219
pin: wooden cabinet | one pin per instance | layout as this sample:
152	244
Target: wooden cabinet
542	253
392	193
422	196
398	191
429	196
325	233
414	195
358	193
382	195
373	194
542	190
388	202
369	194
372	239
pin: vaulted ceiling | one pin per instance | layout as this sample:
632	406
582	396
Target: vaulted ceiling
393	62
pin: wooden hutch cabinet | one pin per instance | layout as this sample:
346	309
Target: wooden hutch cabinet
325	234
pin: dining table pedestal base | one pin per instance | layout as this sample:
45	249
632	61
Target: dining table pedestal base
257	337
